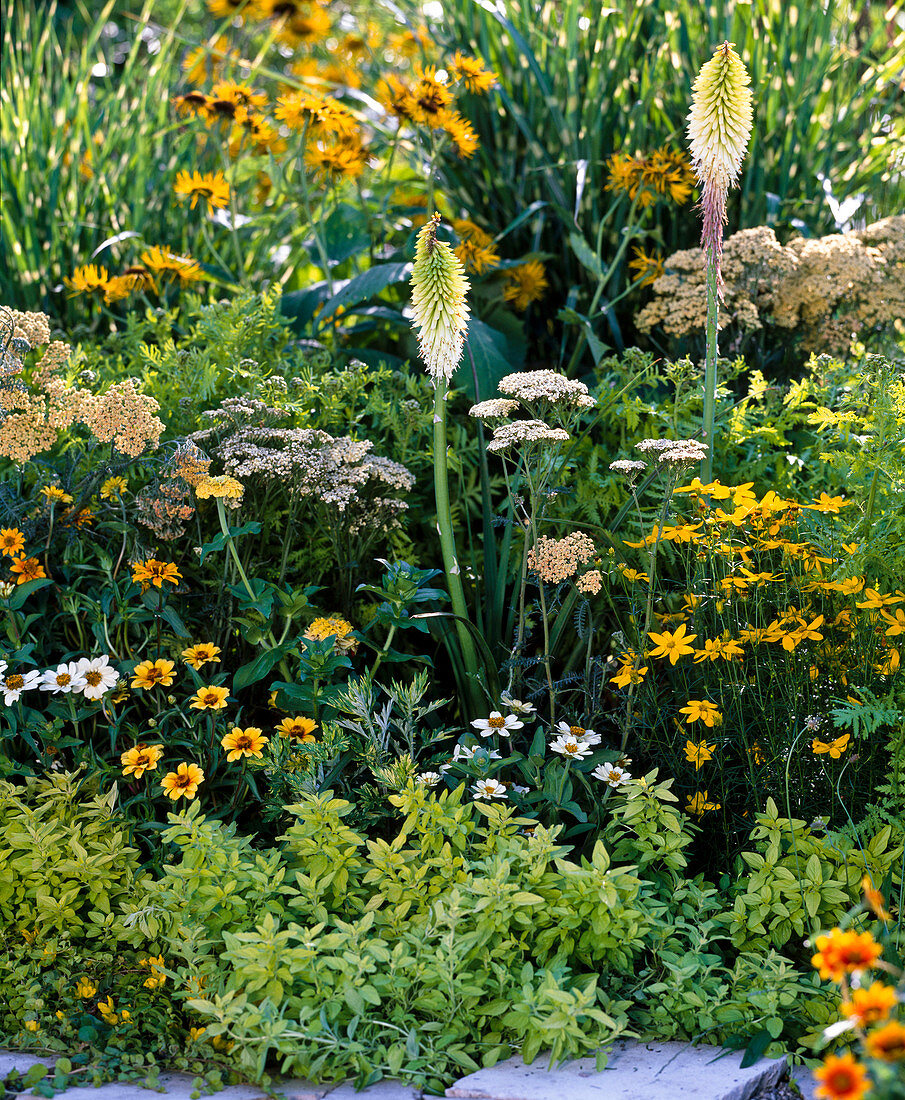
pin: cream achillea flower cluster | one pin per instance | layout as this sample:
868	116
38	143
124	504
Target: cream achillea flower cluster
439	287
719	126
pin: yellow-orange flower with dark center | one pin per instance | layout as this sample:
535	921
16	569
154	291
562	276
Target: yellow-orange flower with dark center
470	71
88	279
199	655
874	899
149	674
247	742
209	698
54	493
841	1078
182	783
869	1006
839	953
27	569
887	1043
12	541
297	729
155	572
141	759
209	186
525	284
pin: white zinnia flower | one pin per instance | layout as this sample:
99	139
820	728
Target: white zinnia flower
579	733
16	683
570	747
489	788
523	710
496	723
611	774
64	678
99	677
429	779
439	287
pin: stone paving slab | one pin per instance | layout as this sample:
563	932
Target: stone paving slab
804	1079
179	1087
635	1071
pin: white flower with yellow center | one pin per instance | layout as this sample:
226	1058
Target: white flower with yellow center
98	676
570	747
496	723
489	788
15	683
611	774
579	734
429	779
64	678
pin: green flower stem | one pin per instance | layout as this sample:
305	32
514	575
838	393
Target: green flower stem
447	539
224	527
710	368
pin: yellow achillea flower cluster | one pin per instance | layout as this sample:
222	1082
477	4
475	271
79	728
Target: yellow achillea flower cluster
439	287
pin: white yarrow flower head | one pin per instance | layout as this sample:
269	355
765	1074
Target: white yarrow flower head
579	733
99	677
439	287
496	723
15	683
64	678
570	747
611	774
719	127
489	788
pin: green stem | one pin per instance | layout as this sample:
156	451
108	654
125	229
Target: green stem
447	539
224	527
710	368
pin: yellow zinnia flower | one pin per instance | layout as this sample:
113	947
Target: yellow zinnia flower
141	759
297	729
27	569
113	487
209	698
148	674
155	572
12	541
182	783
247	742
199	655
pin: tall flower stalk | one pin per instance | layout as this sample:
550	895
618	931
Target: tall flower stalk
719	126
439	287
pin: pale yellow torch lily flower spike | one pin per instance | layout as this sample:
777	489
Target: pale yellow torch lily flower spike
719	127
438	301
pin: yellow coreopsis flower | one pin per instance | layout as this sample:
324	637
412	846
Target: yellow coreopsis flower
834	748
719	126
698	754
673	646
439	287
